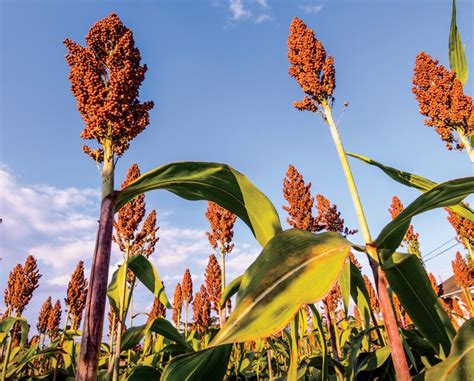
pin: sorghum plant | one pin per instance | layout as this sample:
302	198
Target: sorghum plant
186	296
76	296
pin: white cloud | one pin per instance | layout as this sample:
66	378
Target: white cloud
236	7
262	18
311	9
255	11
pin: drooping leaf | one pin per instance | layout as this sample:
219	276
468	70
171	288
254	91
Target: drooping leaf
148	275
445	194
345	285
206	364
460	363
230	290
415	181
457	56
115	290
143	372
133	336
359	293
164	328
407	277
295	267
374	360
215	182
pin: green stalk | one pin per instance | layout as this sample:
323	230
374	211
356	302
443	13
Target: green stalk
121	316
7	358
293	369
398	354
467	145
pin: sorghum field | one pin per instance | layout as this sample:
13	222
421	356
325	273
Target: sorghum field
322	299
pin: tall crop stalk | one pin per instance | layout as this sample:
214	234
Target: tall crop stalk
391	328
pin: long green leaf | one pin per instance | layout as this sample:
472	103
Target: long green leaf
164	328
359	293
407	277
295	267
345	285
415	181
207	364
457	56
143	372
115	289
214	182
460	363
230	290
133	336
148	275
442	195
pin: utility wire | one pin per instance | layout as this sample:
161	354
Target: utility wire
439	247
441	252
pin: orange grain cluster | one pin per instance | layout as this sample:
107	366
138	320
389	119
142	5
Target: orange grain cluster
464	228
43	316
213	279
222	227
329	218
310	66
177	305
54	319
21	283
187	287
441	99
158	310
374	302
463	271
202	309
105	79
76	295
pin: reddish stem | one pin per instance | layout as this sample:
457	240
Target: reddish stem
96	295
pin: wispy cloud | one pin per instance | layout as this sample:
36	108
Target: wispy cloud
256	11
311	9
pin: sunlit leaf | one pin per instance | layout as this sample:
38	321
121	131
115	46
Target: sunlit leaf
415	181
116	289
457	56
214	182
295	267
164	328
231	289
148	275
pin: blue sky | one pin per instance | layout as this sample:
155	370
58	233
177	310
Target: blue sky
218	74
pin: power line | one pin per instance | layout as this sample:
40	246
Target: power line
441	252
439	247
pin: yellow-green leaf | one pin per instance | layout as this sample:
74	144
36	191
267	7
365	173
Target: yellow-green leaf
295	267
457	56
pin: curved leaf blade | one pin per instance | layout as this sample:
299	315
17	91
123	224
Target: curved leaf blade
407	278
207	364
444	194
414	181
148	275
460	363
295	267
214	182
231	289
457	56
143	372
164	328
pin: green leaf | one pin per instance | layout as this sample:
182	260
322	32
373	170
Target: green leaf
374	360
115	289
215	182
322	342
164	328
359	293
295	267
345	285
445	194
230	290
148	275
143	372
460	363
133	336
407	278
415	181
207	364
457	56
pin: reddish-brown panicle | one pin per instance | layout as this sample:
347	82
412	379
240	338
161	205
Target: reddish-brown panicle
145	241
177	304
463	271
300	202
22	282
158	310
441	99
313	71
374	302
43	316
187	287
222	227
434	284
202	309
54	318
463	227
213	278
411	238
105	79
76	295
329	218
